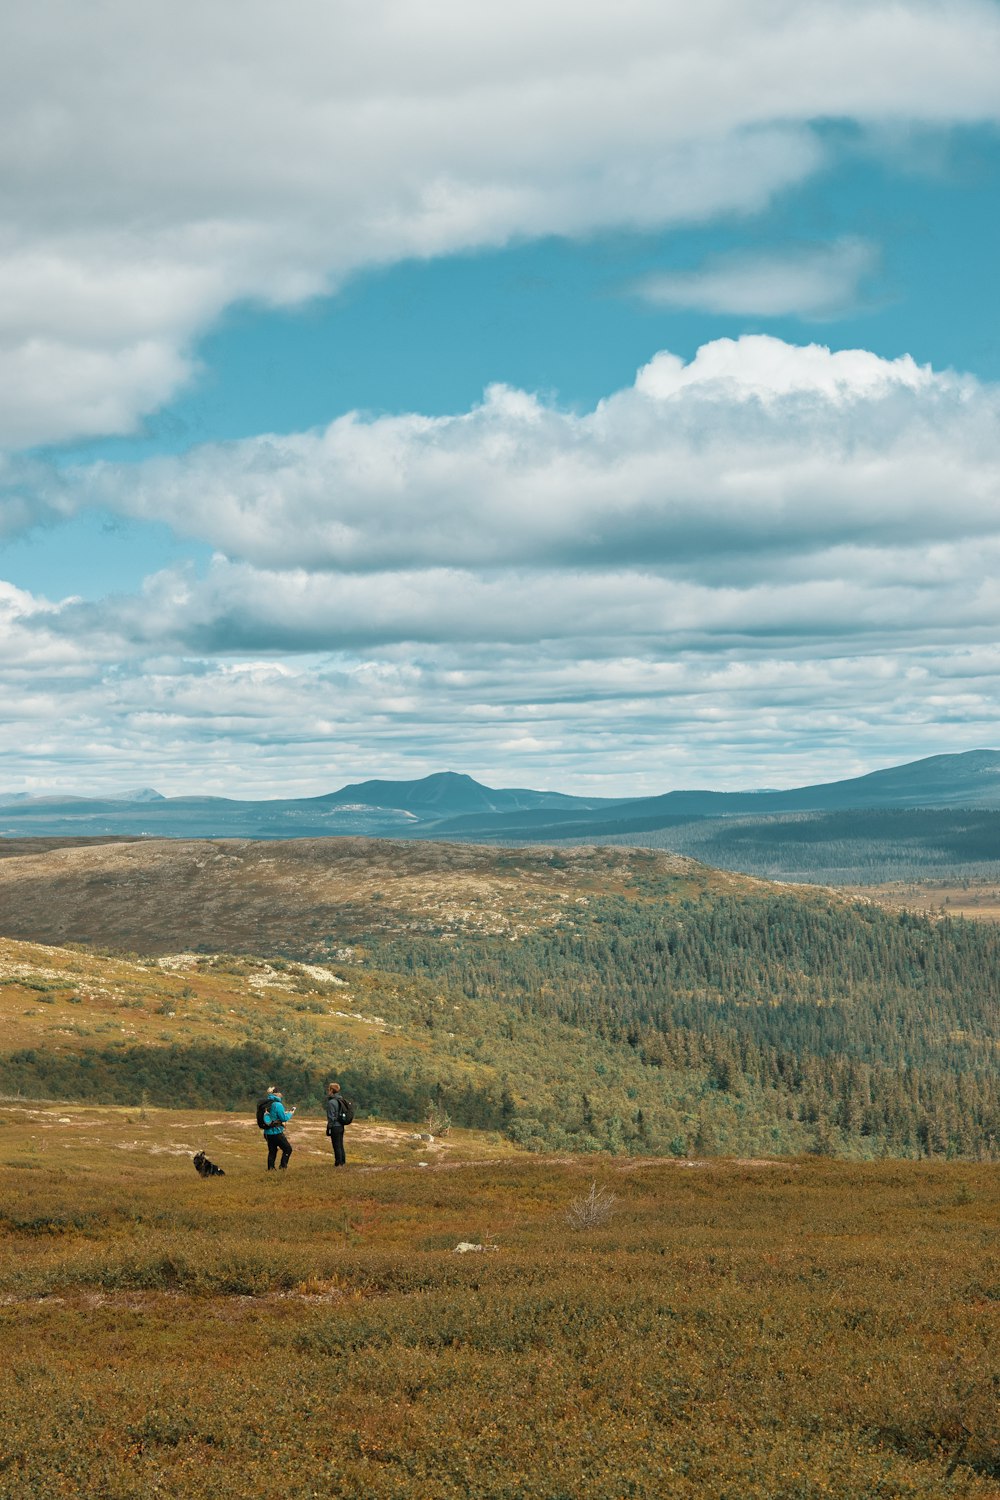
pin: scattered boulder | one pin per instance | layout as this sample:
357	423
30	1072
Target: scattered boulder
465	1247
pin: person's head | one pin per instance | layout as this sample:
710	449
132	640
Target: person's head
332	1088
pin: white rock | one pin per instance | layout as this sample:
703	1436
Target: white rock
466	1246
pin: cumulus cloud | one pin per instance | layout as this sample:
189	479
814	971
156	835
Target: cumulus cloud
753	446
160	162
813	282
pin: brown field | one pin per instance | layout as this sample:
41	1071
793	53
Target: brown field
17	848
978	900
776	1330
719	1330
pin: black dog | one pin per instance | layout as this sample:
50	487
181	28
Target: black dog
206	1168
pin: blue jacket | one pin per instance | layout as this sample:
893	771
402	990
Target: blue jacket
279	1118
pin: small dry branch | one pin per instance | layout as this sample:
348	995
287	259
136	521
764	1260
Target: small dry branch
592	1210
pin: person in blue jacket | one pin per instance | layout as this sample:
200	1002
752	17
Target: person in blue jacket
274	1132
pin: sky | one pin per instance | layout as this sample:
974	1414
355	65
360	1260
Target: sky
603	398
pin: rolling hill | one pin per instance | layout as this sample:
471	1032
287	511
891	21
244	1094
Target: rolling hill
576	1000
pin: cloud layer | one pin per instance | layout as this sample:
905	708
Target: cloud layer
159	162
769	546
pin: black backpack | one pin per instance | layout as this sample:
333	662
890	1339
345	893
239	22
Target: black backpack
346	1111
263	1105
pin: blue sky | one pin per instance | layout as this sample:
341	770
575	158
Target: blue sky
605	399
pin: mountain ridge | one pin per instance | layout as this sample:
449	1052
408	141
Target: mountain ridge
453	806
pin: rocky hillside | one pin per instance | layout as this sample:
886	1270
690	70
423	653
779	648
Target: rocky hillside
295	896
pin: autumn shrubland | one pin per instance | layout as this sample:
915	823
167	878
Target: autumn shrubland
774	1329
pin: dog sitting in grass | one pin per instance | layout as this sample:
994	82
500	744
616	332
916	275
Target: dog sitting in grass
206	1168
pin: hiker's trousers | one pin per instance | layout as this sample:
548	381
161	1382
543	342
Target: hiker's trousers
273	1142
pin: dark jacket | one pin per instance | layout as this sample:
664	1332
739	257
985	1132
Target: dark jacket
334	1113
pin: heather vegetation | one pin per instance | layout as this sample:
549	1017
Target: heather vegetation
782	1331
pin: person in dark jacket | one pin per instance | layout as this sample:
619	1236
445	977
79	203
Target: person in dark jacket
335	1123
274	1132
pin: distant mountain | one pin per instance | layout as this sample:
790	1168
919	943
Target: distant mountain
451	806
60	799
379	808
450	793
971	780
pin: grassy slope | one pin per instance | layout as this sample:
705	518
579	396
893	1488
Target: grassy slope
449	1016
769	1332
212	1030
299	897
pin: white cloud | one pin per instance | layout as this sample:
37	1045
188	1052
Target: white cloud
636	716
159	162
862	601
811	282
754	446
758	366
768	546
